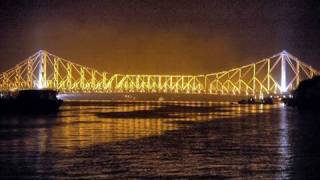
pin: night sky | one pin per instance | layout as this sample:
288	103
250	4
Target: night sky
159	36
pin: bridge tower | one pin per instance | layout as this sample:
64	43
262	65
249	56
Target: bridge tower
283	87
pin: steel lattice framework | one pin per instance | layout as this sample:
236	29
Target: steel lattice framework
274	75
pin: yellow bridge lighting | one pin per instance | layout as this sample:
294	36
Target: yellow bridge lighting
274	75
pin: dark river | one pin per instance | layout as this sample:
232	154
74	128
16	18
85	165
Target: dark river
120	140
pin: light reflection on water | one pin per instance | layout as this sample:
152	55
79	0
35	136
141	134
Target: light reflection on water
79	126
149	139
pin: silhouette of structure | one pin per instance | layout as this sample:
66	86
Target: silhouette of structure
274	75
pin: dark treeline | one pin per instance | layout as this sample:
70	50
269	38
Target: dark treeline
307	95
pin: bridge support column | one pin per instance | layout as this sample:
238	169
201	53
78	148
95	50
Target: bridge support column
29	74
298	74
283	73
56	74
254	79
268	76
42	79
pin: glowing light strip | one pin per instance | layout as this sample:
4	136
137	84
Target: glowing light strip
44	70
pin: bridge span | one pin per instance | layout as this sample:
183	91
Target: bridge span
274	75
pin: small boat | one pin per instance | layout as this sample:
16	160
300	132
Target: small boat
252	100
30	101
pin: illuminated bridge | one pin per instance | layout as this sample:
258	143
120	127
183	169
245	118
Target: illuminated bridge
274	75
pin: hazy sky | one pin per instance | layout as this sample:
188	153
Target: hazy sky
159	36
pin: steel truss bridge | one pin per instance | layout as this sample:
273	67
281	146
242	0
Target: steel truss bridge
276	75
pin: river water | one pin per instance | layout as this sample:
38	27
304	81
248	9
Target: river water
114	140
